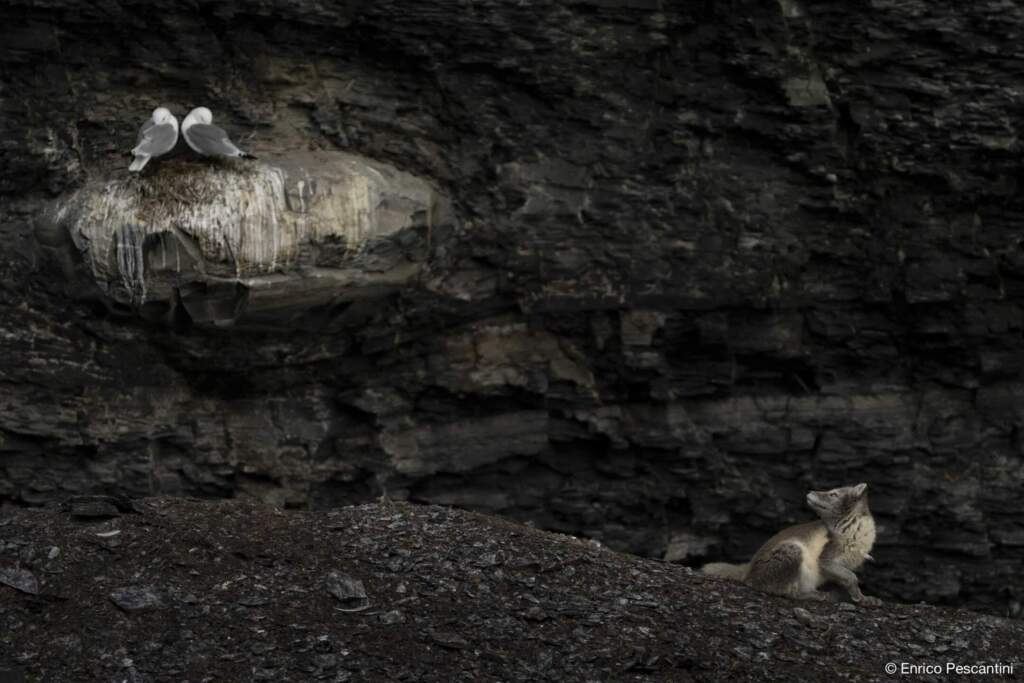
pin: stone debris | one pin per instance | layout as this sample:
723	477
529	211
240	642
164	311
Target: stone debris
94	508
246	591
348	591
20	579
136	598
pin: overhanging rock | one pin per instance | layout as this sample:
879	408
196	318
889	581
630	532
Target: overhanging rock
249	242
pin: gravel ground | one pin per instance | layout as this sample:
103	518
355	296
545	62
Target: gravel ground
163	589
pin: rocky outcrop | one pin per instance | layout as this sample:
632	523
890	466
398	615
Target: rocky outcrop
260	244
700	259
168	590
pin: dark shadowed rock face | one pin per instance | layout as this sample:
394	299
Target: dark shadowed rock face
702	257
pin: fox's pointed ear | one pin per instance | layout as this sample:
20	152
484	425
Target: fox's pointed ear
859	489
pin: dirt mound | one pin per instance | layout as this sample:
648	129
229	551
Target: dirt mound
162	589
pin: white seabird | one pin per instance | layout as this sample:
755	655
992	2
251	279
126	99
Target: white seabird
157	137
206	138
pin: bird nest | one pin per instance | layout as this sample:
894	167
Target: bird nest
229	217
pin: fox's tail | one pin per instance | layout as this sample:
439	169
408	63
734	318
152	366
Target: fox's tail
736	572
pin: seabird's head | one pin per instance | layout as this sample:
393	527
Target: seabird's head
201	115
162	115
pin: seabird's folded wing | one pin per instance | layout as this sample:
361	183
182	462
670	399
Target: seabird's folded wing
210	140
144	131
155	139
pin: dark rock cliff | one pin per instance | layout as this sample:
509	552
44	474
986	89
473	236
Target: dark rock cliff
705	256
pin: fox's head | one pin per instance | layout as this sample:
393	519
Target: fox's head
838	504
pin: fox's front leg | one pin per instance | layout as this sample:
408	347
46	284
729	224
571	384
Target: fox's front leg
836	572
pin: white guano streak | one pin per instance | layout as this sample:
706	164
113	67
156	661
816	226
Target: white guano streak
240	218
